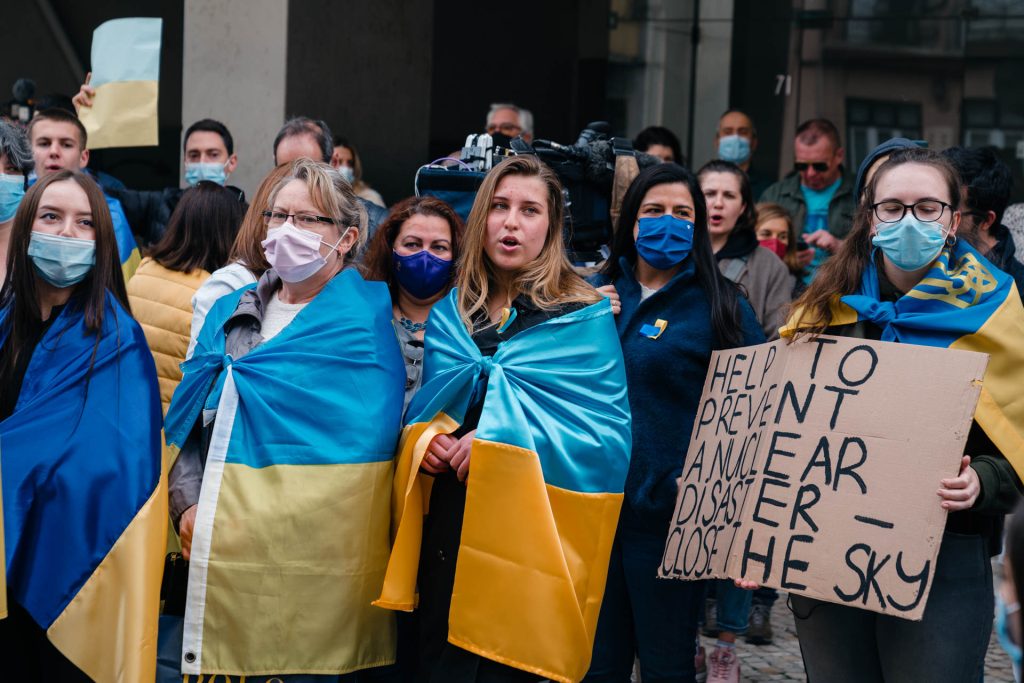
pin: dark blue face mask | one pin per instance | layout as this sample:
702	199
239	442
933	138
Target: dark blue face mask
422	274
664	242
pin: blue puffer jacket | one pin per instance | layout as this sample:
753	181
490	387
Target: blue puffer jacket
666	376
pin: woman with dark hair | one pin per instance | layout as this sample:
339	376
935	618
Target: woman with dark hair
732	218
675	308
660	142
197	241
414	251
901	275
84	499
346	159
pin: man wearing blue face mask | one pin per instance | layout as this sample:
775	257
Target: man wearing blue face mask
209	152
736	141
209	155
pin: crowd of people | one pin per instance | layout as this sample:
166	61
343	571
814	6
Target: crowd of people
385	443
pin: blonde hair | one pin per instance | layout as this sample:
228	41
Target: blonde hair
330	194
549	280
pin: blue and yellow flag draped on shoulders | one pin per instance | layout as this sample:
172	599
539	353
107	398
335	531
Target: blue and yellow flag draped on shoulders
292	531
84	496
127	247
548	464
963	302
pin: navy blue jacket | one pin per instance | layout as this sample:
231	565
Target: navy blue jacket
666	377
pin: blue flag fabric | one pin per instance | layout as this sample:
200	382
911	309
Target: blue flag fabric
81	463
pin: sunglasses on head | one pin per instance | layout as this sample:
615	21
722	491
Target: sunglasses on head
819	166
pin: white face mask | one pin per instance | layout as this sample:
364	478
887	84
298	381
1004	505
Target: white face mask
294	254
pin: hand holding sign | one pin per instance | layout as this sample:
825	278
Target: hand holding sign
813	466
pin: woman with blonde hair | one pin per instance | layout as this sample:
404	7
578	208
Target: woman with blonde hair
246	261
287	417
523	378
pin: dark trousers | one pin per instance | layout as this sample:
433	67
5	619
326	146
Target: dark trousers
644	616
28	655
438	660
848	645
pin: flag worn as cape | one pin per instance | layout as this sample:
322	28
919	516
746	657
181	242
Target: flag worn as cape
291	535
84	496
963	302
548	465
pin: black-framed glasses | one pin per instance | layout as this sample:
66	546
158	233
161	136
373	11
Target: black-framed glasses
927	210
819	166
308	221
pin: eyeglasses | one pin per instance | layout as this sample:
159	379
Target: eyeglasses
928	210
509	129
275	219
818	166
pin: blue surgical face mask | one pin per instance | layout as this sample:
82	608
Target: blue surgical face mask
910	244
734	148
12	189
1003	614
202	170
61	261
348	173
664	242
422	274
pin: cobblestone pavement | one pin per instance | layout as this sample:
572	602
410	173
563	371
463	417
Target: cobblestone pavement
781	660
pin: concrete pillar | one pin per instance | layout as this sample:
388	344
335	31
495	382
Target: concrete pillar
235	61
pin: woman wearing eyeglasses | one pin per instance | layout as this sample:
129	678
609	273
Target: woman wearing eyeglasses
903	276
287	417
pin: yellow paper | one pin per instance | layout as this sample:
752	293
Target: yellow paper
124	114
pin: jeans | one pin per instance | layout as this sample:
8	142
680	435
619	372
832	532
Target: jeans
732	606
848	645
644	616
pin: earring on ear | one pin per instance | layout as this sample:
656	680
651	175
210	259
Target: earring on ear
951	241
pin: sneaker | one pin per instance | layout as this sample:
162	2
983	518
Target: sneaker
700	663
725	667
710	628
759	631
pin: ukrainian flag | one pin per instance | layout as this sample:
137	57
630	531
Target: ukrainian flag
549	461
126	75
84	496
127	247
963	302
292	531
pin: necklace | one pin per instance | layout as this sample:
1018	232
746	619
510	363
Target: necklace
410	326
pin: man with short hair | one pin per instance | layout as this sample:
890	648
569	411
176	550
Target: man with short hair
660	142
818	193
736	141
510	120
302	136
208	146
986	182
59	142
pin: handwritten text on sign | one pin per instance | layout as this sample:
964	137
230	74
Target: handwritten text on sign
813	467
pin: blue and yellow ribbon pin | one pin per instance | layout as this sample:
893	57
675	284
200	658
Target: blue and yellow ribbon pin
653	331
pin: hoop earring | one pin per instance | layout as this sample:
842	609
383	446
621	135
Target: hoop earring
951	241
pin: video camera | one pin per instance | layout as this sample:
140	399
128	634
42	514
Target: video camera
585	168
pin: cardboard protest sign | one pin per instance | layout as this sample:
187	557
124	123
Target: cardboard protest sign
813	467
